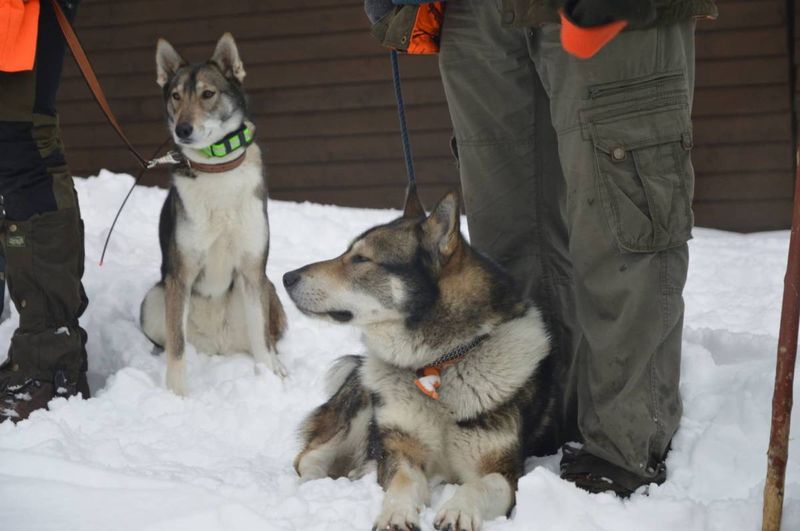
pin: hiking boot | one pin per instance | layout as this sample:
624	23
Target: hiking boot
19	400
596	475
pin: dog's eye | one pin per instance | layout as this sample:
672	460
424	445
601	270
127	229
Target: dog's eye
176	96
208	94
359	259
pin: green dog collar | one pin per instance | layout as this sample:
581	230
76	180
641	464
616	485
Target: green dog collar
242	137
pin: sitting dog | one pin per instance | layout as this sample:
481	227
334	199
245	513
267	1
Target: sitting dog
213	230
457	380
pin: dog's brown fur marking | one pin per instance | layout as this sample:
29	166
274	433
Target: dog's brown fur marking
399	446
507	462
277	316
332	418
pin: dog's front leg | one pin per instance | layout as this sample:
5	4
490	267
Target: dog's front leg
402	476
483	499
176	292
254	288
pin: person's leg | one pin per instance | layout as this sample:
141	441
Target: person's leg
42	235
508	160
623	125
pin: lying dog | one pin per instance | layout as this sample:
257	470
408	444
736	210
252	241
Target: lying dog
213	230
456	382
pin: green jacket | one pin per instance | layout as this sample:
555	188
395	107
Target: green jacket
526	13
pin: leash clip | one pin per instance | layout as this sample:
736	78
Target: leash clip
172	158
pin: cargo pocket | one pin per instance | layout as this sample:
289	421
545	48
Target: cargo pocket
643	160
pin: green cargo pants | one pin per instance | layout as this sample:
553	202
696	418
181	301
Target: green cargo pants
40	230
577	177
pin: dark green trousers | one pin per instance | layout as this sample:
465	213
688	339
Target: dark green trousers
577	177
41	230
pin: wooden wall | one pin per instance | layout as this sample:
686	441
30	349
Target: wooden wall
320	93
744	157
323	103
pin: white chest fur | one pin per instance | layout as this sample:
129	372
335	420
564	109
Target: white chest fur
223	222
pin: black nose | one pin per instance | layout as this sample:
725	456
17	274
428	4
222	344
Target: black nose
184	130
291	278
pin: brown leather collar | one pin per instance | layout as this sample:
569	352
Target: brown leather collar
216	168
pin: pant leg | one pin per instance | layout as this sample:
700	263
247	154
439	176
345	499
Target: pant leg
42	233
508	158
624	135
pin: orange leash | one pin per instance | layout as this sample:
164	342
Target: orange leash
91	79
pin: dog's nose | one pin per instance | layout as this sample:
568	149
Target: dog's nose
184	130
291	278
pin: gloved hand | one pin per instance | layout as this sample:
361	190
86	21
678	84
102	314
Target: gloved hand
377	9
407	26
588	25
590	13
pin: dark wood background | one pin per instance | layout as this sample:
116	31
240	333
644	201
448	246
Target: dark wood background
323	103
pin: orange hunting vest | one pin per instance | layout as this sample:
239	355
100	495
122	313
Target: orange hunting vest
19	25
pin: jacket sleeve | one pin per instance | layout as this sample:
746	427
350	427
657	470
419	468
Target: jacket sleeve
591	13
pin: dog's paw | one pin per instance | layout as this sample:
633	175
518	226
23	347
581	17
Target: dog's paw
276	368
280	370
397	519
310	465
270	361
176	382
454	517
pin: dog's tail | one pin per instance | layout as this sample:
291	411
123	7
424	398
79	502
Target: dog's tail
340	371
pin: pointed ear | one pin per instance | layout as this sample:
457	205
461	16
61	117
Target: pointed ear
168	61
226	57
413	208
442	228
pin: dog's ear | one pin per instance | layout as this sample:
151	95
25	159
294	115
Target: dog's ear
413	208
442	228
226	57
168	61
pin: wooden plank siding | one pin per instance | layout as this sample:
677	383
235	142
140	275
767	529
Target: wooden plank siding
322	99
744	158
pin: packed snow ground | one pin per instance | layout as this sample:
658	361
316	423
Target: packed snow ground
137	457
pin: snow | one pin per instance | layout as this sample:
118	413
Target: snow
138	457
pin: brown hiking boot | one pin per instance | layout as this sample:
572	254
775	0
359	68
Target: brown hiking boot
596	475
19	400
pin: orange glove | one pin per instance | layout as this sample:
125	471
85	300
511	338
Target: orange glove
19	27
588	25
584	43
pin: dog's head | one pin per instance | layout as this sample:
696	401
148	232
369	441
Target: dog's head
204	102
389	273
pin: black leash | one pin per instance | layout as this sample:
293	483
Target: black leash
124	201
401	114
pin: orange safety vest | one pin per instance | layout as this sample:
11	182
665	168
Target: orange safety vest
19	26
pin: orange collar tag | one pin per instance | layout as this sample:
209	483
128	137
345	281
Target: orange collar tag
429	381
429	378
